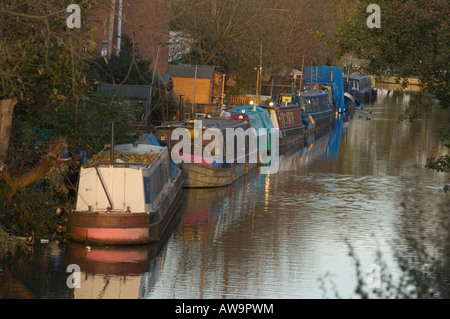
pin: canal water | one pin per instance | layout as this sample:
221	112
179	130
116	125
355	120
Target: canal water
356	200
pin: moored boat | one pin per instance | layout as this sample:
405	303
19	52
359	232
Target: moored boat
204	165
127	198
287	118
317	106
360	86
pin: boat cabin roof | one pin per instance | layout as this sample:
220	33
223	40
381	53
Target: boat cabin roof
313	93
221	123
316	98
140	149
358	77
364	80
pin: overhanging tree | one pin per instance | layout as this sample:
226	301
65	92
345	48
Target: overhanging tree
42	68
413	41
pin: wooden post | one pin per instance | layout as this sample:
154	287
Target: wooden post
6	114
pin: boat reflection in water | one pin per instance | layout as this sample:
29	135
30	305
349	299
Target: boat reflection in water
323	144
119	272
219	208
335	140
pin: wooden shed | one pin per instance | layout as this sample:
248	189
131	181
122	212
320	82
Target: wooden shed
204	80
138	97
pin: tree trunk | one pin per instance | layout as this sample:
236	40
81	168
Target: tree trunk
50	160
6	114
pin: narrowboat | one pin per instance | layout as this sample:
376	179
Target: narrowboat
126	196
287	119
360	86
317	106
203	160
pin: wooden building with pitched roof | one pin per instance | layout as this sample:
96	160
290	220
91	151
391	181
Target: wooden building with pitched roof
203	80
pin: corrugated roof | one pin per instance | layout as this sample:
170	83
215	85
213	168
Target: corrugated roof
188	71
127	91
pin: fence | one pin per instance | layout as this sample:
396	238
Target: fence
241	99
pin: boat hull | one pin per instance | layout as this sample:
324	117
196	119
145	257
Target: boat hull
291	138
122	228
322	119
362	96
201	176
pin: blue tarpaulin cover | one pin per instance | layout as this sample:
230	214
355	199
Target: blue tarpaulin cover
149	138
329	76
258	119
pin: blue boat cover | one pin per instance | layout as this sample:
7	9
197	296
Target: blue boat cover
83	155
149	138
258	119
329	76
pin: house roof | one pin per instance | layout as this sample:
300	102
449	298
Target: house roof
165	78
127	91
188	71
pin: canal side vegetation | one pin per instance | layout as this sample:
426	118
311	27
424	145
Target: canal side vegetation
50	109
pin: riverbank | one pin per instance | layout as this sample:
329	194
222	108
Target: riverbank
390	83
